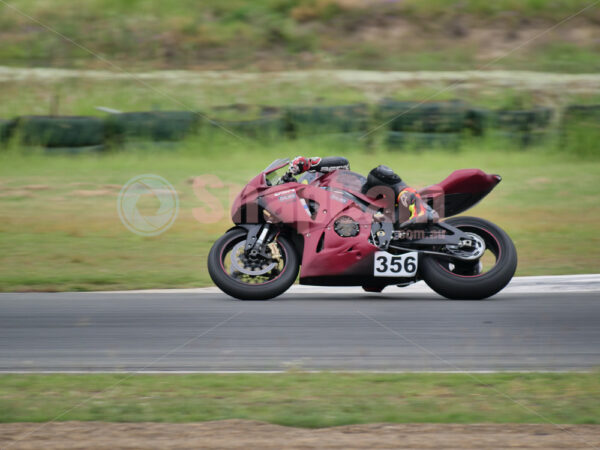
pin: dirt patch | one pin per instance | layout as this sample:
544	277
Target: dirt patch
116	187
80	184
16	193
36	187
91	192
250	434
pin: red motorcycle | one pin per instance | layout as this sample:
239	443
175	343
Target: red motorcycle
338	230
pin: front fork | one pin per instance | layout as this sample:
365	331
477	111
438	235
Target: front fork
259	238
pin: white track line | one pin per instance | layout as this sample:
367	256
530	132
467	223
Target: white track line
519	285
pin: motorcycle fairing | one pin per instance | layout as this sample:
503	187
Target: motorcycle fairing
312	209
325	252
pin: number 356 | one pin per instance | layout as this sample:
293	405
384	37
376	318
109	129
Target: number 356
395	265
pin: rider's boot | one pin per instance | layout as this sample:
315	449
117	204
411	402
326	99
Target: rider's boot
410	208
420	212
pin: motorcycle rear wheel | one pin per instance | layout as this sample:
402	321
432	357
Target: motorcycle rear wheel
235	274
467	280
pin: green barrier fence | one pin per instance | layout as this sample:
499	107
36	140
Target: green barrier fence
427	117
477	120
526	120
582	112
6	127
268	127
407	124
154	125
304	120
254	121
51	131
417	140
523	127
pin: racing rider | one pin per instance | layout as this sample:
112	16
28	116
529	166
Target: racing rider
409	198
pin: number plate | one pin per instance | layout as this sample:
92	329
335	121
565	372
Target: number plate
388	265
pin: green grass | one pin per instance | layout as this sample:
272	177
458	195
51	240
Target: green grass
304	400
59	227
276	34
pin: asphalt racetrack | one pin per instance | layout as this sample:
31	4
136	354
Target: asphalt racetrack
537	323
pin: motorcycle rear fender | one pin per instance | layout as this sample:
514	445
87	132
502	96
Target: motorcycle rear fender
461	190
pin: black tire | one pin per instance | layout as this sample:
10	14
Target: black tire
467	286
246	291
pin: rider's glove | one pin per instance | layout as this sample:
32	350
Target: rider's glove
420	211
301	164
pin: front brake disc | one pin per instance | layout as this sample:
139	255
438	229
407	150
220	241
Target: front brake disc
237	261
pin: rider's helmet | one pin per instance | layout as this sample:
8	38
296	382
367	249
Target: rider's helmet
383	176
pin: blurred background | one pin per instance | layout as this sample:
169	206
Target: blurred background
95	94
205	94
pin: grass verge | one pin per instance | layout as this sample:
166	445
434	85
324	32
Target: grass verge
305	400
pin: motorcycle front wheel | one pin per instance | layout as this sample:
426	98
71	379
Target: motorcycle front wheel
246	277
479	278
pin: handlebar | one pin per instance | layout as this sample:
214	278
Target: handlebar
286	178
326	164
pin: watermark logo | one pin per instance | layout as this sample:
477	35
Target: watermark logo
148	221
